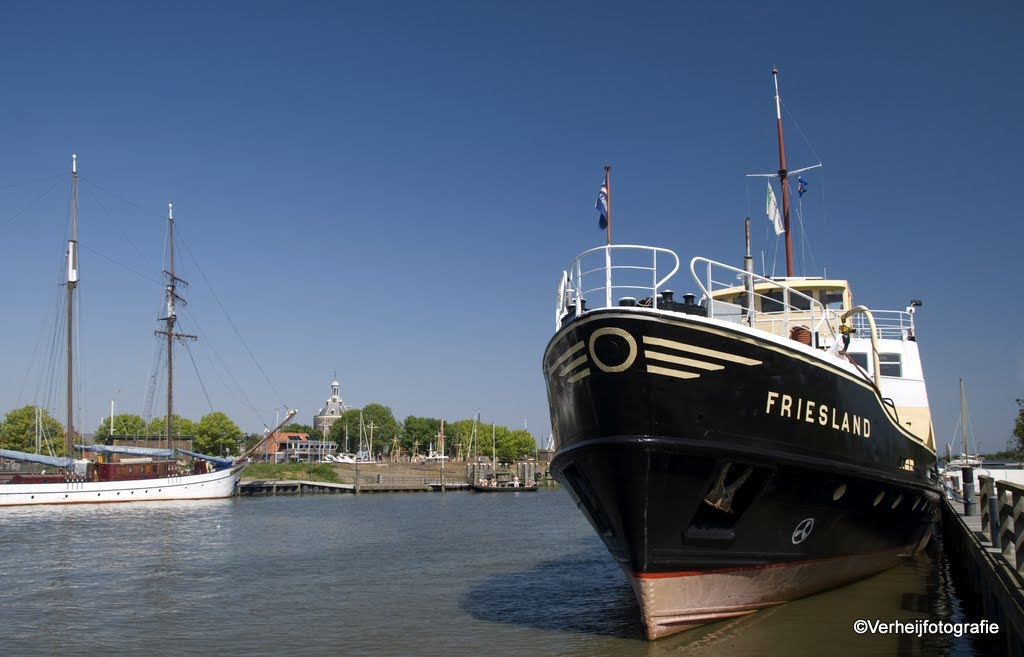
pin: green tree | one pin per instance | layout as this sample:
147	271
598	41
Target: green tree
18	431
125	424
459	433
180	426
1018	426
216	434
295	427
385	427
418	433
345	431
519	444
250	440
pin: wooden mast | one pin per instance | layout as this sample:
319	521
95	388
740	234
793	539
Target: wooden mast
72	283
782	176
170	323
963	419
172	299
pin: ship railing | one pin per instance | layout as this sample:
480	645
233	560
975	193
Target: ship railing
794	314
889	324
612	275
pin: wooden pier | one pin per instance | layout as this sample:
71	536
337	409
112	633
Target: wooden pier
290	487
260	487
989	548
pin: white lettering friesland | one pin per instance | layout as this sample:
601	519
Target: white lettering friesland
816	412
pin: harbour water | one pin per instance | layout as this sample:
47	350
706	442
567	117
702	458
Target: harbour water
447	574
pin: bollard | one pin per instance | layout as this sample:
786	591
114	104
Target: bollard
993	513
970	503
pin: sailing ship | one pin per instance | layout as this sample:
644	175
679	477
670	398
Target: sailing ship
122	473
764	442
966	468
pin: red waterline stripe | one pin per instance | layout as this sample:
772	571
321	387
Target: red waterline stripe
694	573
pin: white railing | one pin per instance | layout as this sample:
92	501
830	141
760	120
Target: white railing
890	324
795	310
605	276
598	278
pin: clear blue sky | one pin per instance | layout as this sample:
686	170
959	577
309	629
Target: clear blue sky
389	190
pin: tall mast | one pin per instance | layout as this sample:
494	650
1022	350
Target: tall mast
782	176
963	418
171	316
169	320
72	283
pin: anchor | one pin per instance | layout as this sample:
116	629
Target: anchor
721	495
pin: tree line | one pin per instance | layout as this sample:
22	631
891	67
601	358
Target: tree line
385	436
215	433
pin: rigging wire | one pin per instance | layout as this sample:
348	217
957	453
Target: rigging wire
802	135
200	378
234	386
31	203
231	322
804	241
48	384
121	230
805	244
141	275
152	383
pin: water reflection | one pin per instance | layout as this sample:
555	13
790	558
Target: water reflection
585	595
448	575
582	593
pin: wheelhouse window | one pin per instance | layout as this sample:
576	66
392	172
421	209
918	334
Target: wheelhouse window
831	299
890	365
773	301
861	359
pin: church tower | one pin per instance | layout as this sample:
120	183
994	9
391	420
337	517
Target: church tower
331	411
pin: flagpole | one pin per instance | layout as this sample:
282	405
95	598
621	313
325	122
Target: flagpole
608	249
782	176
608	187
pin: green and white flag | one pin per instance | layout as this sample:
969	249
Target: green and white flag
773	212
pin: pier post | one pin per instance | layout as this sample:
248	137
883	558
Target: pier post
1011	523
970	502
989	510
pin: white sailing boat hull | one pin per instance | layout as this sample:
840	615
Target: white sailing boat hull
211	485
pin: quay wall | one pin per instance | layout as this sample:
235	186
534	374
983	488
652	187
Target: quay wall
996	585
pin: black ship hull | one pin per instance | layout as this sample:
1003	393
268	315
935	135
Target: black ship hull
728	471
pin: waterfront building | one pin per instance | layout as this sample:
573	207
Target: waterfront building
285	447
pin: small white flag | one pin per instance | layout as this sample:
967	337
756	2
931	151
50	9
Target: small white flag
773	212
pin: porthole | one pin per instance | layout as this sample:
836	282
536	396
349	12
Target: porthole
896	502
878	498
840	491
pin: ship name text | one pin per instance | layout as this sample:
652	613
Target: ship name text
813	412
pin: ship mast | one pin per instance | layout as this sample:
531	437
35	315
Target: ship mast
72	283
783	175
963	419
172	298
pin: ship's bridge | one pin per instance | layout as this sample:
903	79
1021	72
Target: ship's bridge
784	305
